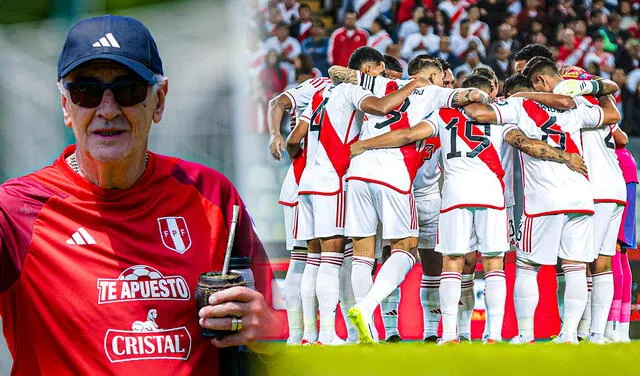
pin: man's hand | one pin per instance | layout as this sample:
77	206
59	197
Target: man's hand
293	122
276	146
575	163
357	148
241	302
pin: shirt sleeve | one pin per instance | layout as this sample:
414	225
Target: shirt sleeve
432	120
356	94
300	96
442	96
590	115
507	111
306	114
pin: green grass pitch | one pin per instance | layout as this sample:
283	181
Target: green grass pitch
416	358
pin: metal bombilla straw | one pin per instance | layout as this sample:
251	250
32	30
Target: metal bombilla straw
232	235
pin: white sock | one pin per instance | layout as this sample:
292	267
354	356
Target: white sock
450	283
585	320
361	278
309	301
495	298
560	291
430	299
347	299
623	331
468	300
293	299
328	292
389	306
575	297
391	274
525	296
601	298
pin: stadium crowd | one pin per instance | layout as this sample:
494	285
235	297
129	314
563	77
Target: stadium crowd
533	84
603	37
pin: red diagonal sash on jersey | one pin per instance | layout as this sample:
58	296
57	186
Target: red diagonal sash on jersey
489	155
365	7
338	151
542	119
479	30
412	157
300	161
305	31
377	40
457	14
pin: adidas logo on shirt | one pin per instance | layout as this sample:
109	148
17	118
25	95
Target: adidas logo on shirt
107	41
81	237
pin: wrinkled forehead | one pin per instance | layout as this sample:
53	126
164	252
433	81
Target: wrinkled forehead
103	70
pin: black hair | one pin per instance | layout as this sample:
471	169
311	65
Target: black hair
392	64
485	72
515	81
365	55
381	22
424	20
306	6
317	21
530	51
539	64
422	62
464	20
445	64
477	81
350	10
282	25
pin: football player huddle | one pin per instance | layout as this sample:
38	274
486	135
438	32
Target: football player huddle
398	170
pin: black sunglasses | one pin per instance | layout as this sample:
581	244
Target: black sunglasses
89	94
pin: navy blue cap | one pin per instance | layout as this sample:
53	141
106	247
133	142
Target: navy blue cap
121	39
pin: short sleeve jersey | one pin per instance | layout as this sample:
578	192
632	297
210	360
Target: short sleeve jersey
428	175
101	282
551	187
471	160
335	119
300	96
396	168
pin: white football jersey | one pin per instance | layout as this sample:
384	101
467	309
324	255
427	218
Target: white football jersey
396	168
300	96
471	160
551	187
605	174
335	119
427	178
506	157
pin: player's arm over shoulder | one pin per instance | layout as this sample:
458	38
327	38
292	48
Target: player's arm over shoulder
341	74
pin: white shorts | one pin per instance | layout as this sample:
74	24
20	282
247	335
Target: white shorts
290	227
370	203
606	224
545	238
428	214
512	231
320	216
459	228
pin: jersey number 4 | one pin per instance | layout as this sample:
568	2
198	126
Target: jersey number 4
481	141
318	116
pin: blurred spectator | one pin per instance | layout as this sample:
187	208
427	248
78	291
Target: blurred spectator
471	61
444	53
273	77
603	59
505	38
394	50
539	38
273	20
368	10
421	42
477	27
570	52
456	10
442	26
460	76
620	78
288	47
345	40
561	13
289	11
596	19
379	38
501	63
411	26
304	63
301	28
493	11
317	46
629	21
631	103
462	41
532	12
609	35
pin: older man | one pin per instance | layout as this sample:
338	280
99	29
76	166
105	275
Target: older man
101	252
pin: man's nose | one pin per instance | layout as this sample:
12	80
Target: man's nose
108	107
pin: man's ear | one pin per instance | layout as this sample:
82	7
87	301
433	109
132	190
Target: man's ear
65	111
161	92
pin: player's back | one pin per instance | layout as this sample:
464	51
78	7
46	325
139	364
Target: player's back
551	187
396	167
334	124
471	161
